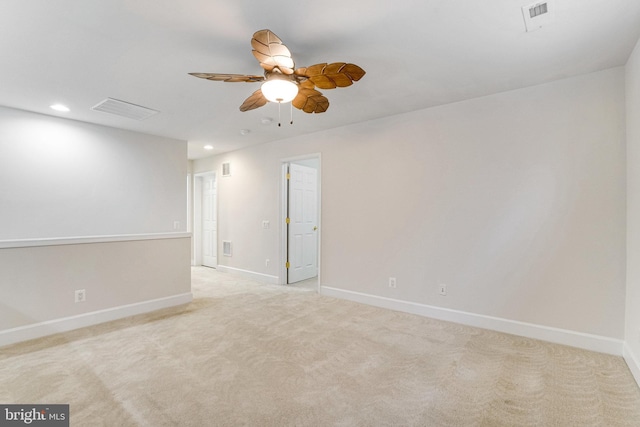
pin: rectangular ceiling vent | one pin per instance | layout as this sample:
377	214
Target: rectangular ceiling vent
124	109
538	15
538	9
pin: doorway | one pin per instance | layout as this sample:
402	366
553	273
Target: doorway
301	218
205	236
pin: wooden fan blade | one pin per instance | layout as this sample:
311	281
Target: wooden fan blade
230	78
271	52
256	100
306	84
310	101
330	76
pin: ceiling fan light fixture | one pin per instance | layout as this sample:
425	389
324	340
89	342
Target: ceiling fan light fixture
282	82
279	90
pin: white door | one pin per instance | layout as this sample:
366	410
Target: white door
303	223
209	222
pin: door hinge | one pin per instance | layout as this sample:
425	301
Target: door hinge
288	220
287	264
288	176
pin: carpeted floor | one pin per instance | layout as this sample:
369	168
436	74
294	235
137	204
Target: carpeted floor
248	354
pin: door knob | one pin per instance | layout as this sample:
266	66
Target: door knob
315	228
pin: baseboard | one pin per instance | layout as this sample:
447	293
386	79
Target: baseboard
633	362
38	330
555	335
260	277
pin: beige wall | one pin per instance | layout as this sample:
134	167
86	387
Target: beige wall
516	201
38	283
632	332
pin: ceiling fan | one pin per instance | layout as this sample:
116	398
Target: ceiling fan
282	82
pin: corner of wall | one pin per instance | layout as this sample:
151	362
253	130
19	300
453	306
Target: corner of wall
633	362
632	297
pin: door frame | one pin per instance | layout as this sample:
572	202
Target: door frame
197	215
282	279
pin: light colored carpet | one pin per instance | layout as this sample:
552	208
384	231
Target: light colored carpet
309	284
248	354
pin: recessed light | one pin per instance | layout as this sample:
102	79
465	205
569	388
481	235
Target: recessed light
60	107
266	120
244	131
208	147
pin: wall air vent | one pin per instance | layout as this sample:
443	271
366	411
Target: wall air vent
226	169
538	15
124	109
226	248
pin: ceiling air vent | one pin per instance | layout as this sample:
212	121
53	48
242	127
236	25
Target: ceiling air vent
539	14
538	9
124	109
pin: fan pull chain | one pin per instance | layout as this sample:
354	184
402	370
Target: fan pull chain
280	118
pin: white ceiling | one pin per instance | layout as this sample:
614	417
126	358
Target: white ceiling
417	54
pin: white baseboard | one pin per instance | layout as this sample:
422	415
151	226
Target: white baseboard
633	362
555	335
65	324
260	277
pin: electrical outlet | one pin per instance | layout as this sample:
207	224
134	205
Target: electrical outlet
392	282
176	225
266	262
442	289
80	295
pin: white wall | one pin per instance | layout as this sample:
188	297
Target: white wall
516	201
87	207
632	332
63	178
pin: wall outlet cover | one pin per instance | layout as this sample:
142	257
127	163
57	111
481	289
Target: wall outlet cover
80	295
